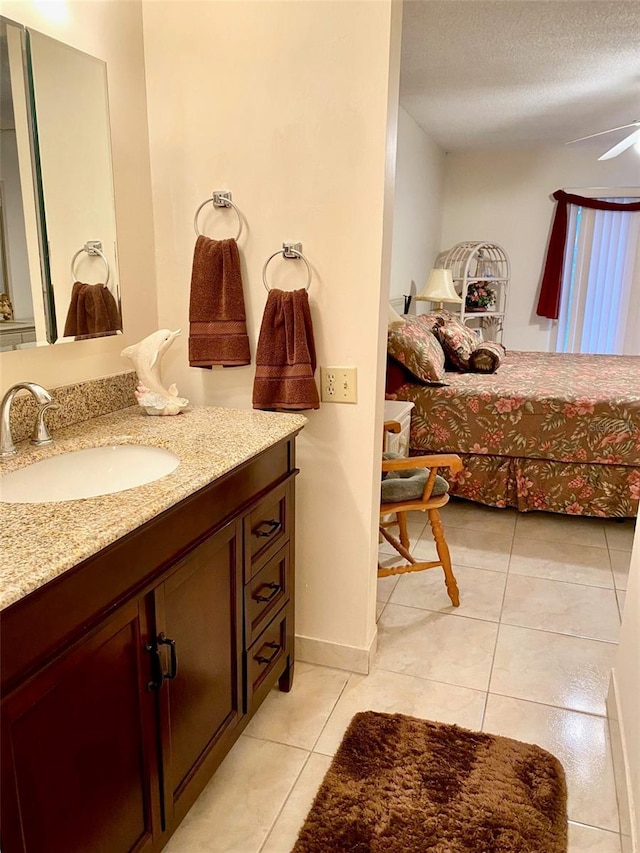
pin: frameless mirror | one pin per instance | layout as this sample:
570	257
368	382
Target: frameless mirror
59	265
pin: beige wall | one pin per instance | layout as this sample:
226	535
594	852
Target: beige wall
417	220
504	197
285	104
112	32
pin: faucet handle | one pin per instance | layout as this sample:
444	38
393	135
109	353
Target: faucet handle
41	435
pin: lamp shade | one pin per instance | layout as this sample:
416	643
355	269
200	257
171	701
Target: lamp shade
394	318
439	288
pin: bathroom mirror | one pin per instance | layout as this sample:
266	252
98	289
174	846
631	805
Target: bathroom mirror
57	214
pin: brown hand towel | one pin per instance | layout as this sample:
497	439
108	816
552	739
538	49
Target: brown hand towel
286	354
93	312
217	320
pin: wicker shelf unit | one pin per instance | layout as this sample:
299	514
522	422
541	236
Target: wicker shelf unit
480	262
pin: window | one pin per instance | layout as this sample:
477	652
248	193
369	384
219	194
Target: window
600	294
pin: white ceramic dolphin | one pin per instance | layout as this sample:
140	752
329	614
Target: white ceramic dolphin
151	393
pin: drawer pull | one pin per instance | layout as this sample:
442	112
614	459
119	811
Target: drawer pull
274	588
259	658
267	528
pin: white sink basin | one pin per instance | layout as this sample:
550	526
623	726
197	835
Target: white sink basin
87	473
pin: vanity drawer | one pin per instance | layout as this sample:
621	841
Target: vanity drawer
267	528
265	594
267	657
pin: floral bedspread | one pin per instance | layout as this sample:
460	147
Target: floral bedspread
549	407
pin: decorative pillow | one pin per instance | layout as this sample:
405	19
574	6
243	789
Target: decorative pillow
487	357
417	349
458	341
408	484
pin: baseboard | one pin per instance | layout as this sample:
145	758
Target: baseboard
624	791
325	653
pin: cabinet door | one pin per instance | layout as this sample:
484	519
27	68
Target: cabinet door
199	618
79	759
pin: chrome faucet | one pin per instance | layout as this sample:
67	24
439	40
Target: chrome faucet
40	434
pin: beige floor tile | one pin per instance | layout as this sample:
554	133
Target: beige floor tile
567	608
481	592
561	561
588	839
289	823
237	809
467	515
620	534
453	649
579	741
470	548
392	693
386	587
570	672
296	718
380	606
415	530
570	529
620	561
622	597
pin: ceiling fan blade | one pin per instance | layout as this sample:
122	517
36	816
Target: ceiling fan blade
627	142
602	132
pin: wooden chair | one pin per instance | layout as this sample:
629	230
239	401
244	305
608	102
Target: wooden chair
414	484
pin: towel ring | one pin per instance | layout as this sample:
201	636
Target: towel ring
91	247
218	199
287	251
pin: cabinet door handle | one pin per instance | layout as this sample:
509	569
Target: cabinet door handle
267	528
166	641
275	589
259	658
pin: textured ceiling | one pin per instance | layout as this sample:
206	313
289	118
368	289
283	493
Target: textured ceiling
502	73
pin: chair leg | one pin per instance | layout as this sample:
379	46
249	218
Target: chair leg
402	524
445	557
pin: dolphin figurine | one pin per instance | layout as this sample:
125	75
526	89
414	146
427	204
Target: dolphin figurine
150	392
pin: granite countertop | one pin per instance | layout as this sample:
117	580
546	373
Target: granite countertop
41	541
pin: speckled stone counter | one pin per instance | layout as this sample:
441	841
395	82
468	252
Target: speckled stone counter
41	541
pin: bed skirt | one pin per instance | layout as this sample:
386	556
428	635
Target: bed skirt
536	484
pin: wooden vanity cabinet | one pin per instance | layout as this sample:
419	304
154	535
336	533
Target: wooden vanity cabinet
127	680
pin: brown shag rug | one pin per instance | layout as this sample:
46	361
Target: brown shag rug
402	785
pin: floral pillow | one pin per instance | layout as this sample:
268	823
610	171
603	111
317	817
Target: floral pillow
458	341
415	346
487	357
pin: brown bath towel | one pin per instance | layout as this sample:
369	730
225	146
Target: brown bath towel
93	312
217	320
286	354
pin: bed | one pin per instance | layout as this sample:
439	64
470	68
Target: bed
546	431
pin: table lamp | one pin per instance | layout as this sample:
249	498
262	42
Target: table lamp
439	289
394	319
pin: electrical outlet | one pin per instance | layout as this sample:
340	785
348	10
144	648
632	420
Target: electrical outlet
339	384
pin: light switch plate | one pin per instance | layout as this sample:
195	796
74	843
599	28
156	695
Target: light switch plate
339	384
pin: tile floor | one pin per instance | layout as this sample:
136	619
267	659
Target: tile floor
527	655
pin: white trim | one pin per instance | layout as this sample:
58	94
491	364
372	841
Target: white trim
621	769
325	653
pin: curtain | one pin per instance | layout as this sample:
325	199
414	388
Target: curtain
599	304
549	301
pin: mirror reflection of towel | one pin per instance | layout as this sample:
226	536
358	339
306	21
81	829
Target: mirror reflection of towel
286	354
93	312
